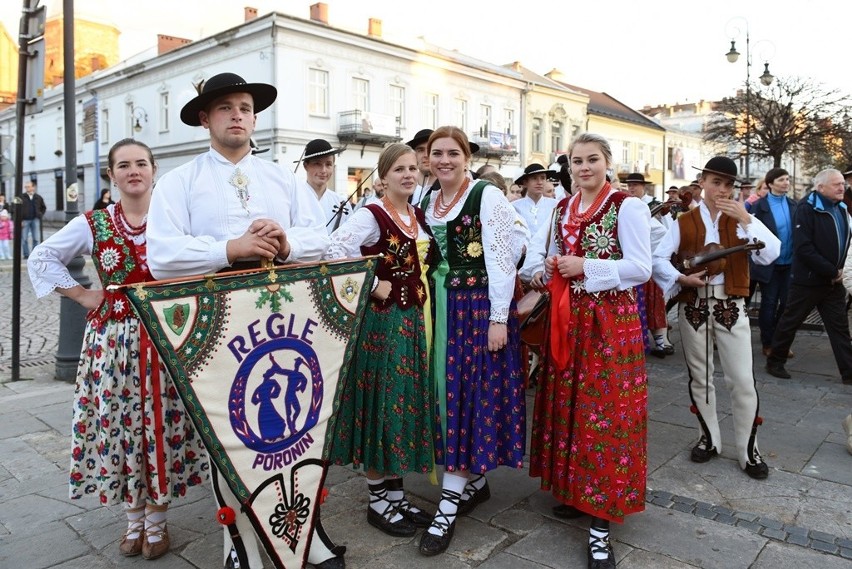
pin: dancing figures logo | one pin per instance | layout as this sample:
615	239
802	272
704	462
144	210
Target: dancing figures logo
277	393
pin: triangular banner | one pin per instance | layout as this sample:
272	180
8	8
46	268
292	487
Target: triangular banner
257	357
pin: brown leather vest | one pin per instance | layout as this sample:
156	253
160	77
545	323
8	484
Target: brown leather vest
692	236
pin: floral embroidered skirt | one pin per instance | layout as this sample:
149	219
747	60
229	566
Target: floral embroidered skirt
590	420
484	407
383	421
124	448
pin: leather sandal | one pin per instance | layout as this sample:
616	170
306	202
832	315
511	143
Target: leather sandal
133	547
156	549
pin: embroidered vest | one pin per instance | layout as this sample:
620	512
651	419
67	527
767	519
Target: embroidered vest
118	261
465	252
692	236
401	264
598	236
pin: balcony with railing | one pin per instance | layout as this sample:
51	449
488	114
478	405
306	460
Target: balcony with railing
367	128
495	144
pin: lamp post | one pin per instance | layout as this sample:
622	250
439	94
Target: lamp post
766	79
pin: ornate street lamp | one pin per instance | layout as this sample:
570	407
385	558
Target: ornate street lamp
766	79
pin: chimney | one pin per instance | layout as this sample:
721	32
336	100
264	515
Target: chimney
319	12
250	13
166	44
555	75
374	29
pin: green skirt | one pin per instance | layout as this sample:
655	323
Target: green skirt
385	418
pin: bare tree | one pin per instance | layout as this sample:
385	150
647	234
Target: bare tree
791	116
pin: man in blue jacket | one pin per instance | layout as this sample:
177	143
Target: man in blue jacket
820	243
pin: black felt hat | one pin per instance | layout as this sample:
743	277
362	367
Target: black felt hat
721	165
222	84
848	171
421	137
318	147
635	177
534	169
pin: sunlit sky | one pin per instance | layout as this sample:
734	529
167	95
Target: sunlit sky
641	52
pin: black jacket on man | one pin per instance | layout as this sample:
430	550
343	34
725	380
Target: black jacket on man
817	251
32	207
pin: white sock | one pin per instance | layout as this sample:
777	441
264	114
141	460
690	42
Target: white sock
135	522
396	496
379	501
597	534
449	505
153	518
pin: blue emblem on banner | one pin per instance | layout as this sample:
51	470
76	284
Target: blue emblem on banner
276	395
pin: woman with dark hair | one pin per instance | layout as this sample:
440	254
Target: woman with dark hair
132	442
476	358
104	200
385	421
777	212
589	430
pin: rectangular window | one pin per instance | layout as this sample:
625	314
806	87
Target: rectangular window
653	157
164	112
485	124
130	120
430	111
318	92
104	126
556	136
397	101
461	114
509	117
641	153
625	153
536	135
361	94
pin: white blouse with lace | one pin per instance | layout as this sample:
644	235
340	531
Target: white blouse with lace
47	265
503	238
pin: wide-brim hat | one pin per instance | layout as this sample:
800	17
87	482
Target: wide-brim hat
635	177
534	169
721	165
318	147
673	191
419	138
222	84
848	171
746	184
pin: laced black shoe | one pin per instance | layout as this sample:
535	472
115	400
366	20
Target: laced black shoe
601	546
473	497
701	452
431	544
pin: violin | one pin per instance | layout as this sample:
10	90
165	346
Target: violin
661	208
711	258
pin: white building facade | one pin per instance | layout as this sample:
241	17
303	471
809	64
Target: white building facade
350	89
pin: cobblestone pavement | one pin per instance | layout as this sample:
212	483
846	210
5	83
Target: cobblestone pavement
697	515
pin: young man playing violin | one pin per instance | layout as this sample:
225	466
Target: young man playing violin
712	309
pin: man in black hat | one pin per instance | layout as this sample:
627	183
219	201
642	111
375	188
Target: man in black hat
419	144
230	209
534	208
718	301
318	160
